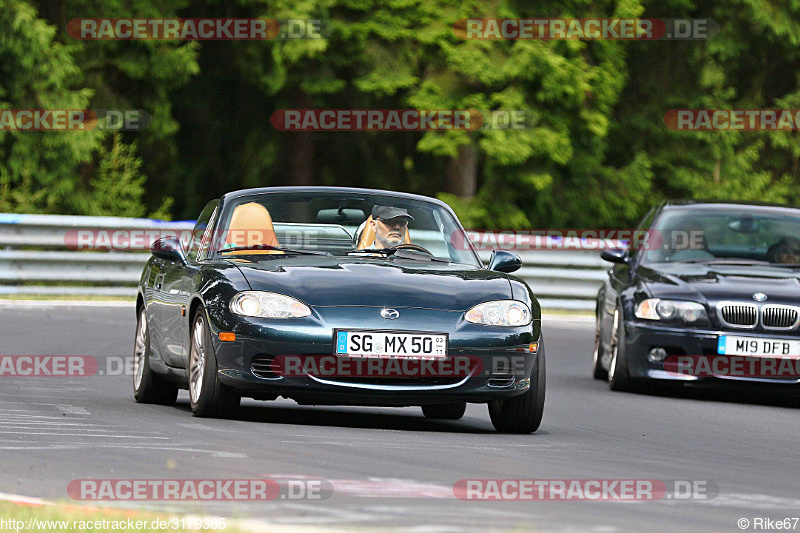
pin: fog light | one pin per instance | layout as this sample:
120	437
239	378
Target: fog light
656	355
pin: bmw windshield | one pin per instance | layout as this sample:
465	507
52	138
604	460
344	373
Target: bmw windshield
709	235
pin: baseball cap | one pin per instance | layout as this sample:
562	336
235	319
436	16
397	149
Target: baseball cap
387	212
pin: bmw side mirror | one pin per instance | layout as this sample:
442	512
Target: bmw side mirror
615	256
504	261
169	249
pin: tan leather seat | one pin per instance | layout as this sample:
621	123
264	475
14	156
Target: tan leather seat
251	225
367	238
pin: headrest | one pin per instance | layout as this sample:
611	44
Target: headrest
251	225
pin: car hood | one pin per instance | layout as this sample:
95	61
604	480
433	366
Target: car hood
385	283
722	282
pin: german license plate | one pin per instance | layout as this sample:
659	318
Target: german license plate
757	347
372	343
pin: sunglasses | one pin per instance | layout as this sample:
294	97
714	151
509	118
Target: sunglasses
402	222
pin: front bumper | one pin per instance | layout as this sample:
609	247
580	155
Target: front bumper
641	337
504	372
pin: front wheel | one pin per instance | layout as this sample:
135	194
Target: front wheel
445	411
208	397
522	414
618	377
148	387
598	372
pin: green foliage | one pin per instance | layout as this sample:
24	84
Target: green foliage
598	154
118	187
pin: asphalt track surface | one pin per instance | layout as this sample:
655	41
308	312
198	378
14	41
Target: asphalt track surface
391	468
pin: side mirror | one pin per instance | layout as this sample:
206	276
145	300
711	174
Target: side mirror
615	256
504	261
169	249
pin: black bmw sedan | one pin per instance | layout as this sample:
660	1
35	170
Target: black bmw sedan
331	295
712	292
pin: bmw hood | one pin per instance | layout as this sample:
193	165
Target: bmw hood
334	282
722	282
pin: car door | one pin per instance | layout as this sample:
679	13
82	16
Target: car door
172	289
181	285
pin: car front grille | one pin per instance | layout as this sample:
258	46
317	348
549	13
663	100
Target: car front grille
779	316
738	315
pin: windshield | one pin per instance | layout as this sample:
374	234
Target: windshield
264	226
708	235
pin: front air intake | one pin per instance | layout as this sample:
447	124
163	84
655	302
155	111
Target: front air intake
738	315
261	367
779	316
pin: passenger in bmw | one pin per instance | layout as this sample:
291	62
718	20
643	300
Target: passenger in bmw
390	225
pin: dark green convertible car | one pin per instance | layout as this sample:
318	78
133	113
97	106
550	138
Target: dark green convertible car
330	295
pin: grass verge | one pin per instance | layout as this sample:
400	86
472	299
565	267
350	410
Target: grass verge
67	518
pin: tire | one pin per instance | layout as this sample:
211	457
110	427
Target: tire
618	377
148	387
522	414
598	372
445	411
208	397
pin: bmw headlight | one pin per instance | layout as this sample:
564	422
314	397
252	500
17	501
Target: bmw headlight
500	313
658	309
268	305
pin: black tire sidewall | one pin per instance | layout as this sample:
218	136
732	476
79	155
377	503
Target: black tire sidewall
523	414
621	380
215	400
598	372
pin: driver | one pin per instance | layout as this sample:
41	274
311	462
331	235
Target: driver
785	251
390	225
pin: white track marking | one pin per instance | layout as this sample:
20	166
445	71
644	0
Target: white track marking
65	303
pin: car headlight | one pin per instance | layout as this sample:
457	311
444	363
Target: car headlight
499	313
268	305
658	309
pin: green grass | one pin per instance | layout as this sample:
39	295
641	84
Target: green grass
62	518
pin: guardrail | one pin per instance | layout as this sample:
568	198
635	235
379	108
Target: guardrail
35	259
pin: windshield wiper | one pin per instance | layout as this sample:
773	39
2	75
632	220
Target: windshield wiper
405	254
384	251
270	247
724	260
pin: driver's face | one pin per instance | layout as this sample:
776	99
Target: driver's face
389	233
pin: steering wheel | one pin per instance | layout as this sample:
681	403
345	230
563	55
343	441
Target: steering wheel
416	247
